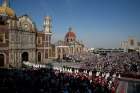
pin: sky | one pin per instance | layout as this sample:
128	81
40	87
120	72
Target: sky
98	23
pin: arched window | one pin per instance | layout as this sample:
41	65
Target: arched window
39	57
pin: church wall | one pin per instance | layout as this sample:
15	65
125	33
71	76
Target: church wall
43	46
4	36
4	44
15	57
21	39
41	51
20	42
5	52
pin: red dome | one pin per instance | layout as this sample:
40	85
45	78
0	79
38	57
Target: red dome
70	34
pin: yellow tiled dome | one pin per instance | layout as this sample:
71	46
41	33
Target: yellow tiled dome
6	11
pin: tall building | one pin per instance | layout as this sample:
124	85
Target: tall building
130	44
70	46
20	41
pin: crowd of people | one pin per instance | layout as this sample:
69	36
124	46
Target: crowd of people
123	63
53	81
96	74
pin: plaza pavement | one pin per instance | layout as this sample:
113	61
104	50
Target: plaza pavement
128	86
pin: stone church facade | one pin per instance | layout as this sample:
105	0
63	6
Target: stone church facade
20	41
70	46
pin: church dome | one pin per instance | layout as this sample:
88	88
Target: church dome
70	34
6	11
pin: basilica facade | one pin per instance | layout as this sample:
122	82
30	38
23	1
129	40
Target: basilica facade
20	40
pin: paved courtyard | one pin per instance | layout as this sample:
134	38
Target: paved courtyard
128	86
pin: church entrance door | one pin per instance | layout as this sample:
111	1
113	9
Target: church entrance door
25	56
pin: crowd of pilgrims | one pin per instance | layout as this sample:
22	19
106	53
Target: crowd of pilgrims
101	76
123	63
54	81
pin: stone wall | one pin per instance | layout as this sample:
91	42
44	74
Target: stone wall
20	42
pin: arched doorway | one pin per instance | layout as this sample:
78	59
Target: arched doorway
1	60
25	56
39	57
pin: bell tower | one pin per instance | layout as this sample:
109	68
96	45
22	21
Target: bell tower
47	38
47	24
5	3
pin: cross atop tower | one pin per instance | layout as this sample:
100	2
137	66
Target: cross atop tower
70	29
5	3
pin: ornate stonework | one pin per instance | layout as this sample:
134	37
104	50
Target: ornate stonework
70	46
21	41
